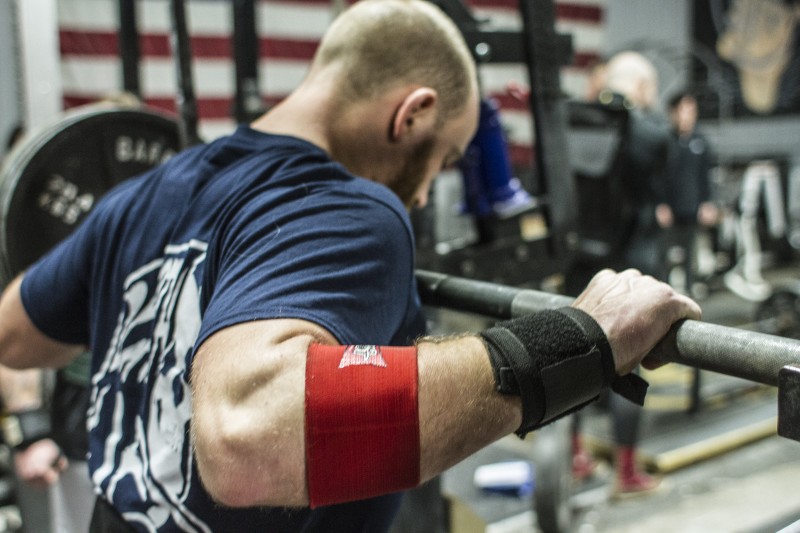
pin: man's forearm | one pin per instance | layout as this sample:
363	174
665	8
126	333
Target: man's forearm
460	410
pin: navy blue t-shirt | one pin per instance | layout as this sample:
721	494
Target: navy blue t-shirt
252	226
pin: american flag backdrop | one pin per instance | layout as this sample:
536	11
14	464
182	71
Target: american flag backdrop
289	31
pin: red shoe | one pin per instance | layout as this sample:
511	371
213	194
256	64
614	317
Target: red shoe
635	484
630	481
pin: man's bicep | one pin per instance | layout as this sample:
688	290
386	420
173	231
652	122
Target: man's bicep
235	355
248	386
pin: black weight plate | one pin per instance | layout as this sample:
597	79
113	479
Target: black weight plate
53	180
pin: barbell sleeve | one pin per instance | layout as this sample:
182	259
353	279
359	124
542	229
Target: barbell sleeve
735	352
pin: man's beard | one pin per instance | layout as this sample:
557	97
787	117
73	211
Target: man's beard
406	182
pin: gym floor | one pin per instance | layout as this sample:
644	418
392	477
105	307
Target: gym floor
723	467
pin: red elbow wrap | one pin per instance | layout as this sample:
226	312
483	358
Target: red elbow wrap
362	422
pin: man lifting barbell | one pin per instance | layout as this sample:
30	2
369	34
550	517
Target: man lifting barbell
253	315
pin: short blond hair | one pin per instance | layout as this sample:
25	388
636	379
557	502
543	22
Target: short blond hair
380	44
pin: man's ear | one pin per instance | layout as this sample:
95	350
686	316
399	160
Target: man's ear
416	114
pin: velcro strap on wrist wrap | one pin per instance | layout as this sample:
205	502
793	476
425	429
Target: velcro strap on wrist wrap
22	429
557	361
629	386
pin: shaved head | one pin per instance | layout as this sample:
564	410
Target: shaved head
380	44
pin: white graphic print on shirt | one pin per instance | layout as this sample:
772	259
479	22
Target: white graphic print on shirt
141	396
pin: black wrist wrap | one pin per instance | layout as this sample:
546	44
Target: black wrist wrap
22	429
557	362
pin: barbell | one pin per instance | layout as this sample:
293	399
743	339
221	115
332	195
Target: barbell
736	352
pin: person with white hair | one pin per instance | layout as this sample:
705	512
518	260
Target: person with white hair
629	79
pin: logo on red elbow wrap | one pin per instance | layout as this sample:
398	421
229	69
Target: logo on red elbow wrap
362	422
362	354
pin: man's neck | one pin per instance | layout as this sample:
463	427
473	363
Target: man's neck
302	114
354	134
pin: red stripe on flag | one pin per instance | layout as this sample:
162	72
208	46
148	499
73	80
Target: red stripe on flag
287	48
88	43
506	101
579	12
521	155
585	59
105	44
